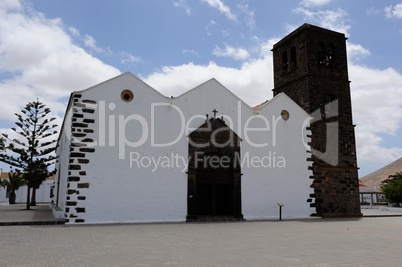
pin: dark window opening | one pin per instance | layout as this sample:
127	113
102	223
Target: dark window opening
325	55
330	55
329	98
293	58
321	53
285	61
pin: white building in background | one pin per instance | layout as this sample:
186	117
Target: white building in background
129	154
43	194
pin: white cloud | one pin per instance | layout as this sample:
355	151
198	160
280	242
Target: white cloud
212	27
6	5
314	3
129	58
263	47
356	52
224	9
371	149
373	11
291	27
249	15
191	52
329	19
182	4
39	60
232	52
394	11
90	42
255	76
377	110
212	24
74	32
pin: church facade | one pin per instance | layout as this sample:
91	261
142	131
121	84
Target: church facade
129	154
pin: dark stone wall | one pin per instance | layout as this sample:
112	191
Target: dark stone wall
319	76
82	129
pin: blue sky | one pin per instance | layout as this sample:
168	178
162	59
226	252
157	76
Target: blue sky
50	48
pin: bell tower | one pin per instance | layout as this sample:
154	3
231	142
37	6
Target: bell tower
310	66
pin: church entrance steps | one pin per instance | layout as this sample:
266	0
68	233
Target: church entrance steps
215	219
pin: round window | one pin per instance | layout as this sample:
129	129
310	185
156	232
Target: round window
285	115
127	96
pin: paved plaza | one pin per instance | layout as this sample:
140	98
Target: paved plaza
313	242
18	215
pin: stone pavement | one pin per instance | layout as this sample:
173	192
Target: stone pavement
312	242
17	215
381	211
41	214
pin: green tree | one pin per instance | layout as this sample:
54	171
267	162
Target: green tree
31	152
15	181
38	174
392	188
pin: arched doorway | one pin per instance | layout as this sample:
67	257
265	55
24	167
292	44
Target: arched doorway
214	175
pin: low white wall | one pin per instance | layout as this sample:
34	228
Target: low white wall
42	194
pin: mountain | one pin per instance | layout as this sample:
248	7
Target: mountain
374	179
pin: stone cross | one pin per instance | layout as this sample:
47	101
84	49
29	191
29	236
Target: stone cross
214	111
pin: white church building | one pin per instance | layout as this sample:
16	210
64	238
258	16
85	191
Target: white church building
129	154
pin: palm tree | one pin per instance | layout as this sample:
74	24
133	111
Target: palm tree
14	182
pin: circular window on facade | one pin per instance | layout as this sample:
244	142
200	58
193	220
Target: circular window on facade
285	115
127	96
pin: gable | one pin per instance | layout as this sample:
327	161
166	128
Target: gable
199	102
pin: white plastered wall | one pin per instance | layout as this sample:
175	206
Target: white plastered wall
125	185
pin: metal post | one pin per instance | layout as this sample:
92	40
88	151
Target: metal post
280	210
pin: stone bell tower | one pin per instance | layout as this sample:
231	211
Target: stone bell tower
310	66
